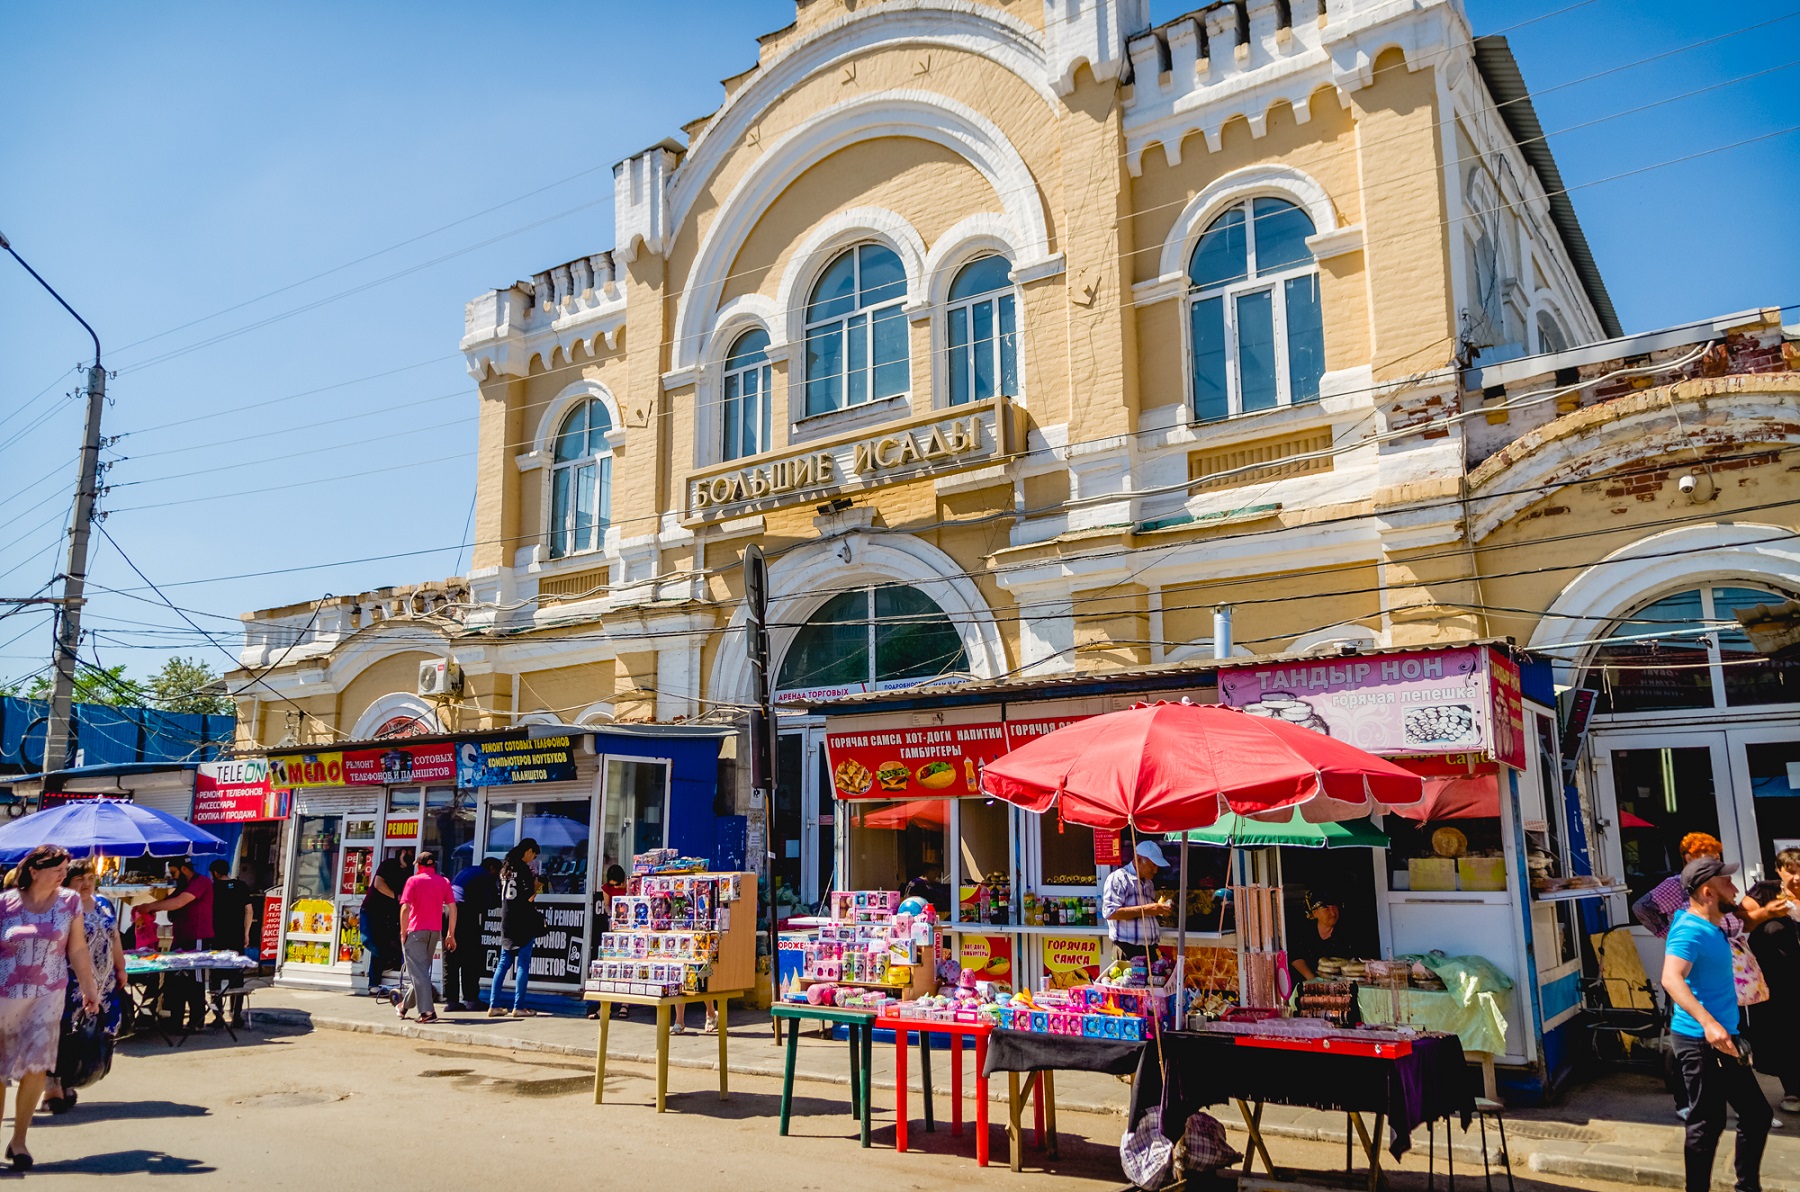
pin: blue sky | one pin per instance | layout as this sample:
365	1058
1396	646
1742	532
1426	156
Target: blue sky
168	166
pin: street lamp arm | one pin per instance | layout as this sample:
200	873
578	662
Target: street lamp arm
7	245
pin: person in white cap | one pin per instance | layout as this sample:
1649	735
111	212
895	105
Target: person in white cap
1131	905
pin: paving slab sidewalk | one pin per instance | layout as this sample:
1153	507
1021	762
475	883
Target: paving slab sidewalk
1621	1129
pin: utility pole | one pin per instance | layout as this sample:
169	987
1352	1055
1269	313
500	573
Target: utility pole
68	621
761	836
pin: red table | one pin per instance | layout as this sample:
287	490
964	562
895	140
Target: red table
958	1031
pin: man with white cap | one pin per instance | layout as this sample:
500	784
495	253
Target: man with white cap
1131	905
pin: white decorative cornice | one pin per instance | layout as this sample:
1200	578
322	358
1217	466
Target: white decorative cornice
923	115
979	29
1200	72
1336	243
576	304
641	215
1091	33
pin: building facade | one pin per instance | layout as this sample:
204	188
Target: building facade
1024	337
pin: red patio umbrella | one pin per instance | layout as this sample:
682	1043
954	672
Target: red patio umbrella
1171	767
1470	797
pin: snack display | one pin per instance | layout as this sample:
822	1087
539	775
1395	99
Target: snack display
673	930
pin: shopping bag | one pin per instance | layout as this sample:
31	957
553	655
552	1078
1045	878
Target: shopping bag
84	1052
1752	987
1145	1154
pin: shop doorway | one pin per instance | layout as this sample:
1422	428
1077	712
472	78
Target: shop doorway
562	825
805	819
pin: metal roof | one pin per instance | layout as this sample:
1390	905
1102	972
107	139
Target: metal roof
1494	59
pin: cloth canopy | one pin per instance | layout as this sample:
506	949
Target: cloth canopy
1463	797
1241	831
1173	767
105	828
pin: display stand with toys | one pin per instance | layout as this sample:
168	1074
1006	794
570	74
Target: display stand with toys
874	949
681	935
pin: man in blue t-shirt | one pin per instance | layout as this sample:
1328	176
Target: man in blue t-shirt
1714	1059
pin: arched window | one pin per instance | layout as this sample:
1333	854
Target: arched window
1686	651
581	481
1253	309
984	332
873	637
856	347
745	408
1550	333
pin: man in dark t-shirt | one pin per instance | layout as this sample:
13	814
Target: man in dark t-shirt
232	918
381	916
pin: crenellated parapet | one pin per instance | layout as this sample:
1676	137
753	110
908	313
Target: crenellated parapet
578	303
641	201
1242	58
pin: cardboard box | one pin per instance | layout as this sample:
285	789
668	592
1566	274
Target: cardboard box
1432	873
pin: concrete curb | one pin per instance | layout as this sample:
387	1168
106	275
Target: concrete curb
1545	1156
442	1034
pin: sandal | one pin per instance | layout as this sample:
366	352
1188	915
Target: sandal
522	1012
21	1160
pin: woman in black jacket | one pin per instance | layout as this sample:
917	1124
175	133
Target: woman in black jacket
520	924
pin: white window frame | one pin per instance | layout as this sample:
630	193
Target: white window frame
764	371
966	306
601	463
1229	293
867	330
1715	668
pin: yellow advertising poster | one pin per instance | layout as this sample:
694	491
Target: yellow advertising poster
307	769
1071	960
989	955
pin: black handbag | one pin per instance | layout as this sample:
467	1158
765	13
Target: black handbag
84	1053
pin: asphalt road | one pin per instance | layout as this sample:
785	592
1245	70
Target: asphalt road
331	1110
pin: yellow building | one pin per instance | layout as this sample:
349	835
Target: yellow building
1022	337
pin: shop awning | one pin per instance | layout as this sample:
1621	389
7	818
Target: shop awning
1241	831
1470	797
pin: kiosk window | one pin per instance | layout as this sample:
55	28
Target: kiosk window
900	846
1066	854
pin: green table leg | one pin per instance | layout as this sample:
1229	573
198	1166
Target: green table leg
787	1080
925	1074
868	1076
856	1087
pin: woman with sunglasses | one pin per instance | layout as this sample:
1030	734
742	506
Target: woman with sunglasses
41	940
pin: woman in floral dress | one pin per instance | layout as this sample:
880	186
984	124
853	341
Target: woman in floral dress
41	939
100	922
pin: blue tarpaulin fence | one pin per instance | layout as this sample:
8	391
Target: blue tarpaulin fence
106	735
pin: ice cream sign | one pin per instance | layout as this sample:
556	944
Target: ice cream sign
1461	700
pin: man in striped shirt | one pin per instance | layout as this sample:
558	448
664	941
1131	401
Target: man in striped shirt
1130	904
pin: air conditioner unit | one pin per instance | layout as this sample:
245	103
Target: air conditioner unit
440	677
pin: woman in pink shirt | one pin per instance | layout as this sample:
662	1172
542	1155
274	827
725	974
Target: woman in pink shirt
423	901
41	939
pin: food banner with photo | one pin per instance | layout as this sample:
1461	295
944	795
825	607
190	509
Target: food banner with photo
511	761
1461	700
238	792
990	956
1072	960
936	761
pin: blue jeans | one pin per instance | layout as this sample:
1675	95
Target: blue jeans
519	960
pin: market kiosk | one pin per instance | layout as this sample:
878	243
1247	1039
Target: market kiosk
1494	864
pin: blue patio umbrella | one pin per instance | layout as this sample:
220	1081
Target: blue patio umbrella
105	828
550	831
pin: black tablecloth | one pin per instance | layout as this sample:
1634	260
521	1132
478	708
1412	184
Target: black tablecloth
1207	1069
1033	1051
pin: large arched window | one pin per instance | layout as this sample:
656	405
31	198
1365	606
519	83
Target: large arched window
581	481
1253	310
744	407
873	637
856	347
984	332
1685	651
